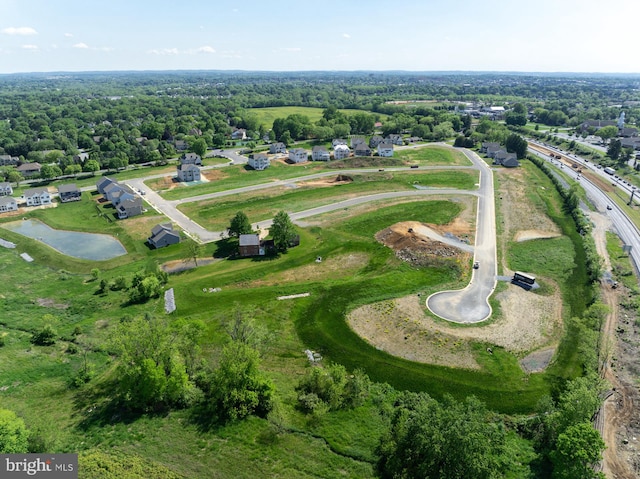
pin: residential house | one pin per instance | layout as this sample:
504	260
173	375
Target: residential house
163	235
129	206
375	140
395	138
115	192
5	189
29	169
250	245
412	139
181	145
355	140
259	161
362	149
385	149
277	147
492	150
628	132
338	141
102	183
488	144
37	196
69	192
298	155
8	160
188	173
630	143
190	159
509	160
320	153
8	203
239	134
341	152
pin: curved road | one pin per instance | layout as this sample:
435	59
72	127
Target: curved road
471	304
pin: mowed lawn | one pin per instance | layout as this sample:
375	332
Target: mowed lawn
267	115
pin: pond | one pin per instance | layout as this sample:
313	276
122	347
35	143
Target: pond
96	247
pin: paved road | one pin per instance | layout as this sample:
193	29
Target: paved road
471	304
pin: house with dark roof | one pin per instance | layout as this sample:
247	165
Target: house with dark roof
37	196
8	160
190	159
362	149
29	169
395	138
163	235
5	189
375	140
8	203
356	140
129	206
250	245
189	173
488	144
239	134
508	160
69	192
595	125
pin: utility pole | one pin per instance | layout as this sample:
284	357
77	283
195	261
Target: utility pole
633	190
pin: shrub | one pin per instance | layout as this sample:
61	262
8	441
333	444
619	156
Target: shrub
45	337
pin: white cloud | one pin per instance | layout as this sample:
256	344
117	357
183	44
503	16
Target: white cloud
19	31
32	48
205	49
291	49
346	35
68	35
164	51
81	45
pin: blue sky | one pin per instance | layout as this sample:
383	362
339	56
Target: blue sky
286	35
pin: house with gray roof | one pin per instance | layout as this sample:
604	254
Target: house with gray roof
259	161
395	138
29	169
8	160
102	183
190	159
69	192
37	196
277	147
375	140
508	160
189	172
163	235
341	151
320	153
385	149
6	189
250	245
298	155
8	203
129	206
362	149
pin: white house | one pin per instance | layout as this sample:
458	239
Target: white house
298	155
190	159
7	203
338	141
188	173
37	196
320	153
239	134
5	188
277	147
341	152
259	162
385	149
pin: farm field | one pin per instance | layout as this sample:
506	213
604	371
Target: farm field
267	115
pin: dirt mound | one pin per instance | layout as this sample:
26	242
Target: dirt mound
343	179
414	248
525	235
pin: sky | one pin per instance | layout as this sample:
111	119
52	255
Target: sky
302	35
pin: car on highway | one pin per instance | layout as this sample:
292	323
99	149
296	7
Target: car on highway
609	207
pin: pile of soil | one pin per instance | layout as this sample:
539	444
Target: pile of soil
415	249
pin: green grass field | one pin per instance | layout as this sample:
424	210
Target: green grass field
58	290
267	115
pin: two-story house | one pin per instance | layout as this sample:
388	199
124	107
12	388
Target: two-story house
298	155
37	196
188	173
259	161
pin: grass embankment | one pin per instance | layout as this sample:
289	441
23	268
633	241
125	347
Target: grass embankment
261	205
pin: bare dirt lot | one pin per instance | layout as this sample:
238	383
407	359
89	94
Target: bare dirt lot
404	328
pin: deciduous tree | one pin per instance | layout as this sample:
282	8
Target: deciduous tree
240	225
282	231
14	435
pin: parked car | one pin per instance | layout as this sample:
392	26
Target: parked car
476	265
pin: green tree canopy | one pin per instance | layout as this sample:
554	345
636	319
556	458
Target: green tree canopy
14	435
607	132
578	450
452	440
518	145
282	231
240	225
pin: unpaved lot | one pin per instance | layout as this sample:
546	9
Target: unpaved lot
527	322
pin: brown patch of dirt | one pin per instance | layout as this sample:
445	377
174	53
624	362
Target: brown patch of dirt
139	227
525	235
214	174
325	182
166	183
179	265
334	267
51	303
